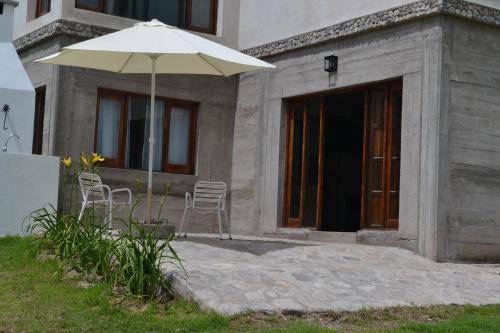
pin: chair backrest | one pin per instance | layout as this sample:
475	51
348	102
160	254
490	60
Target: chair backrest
207	194
87	182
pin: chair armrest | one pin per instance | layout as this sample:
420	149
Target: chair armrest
106	187
189	200
129	201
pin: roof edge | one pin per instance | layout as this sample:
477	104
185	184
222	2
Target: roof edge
10	2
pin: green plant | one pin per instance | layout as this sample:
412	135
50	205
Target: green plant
168	188
141	258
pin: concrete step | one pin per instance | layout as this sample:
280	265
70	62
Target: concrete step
333	237
291	233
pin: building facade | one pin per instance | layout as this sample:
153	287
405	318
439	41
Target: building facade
394	142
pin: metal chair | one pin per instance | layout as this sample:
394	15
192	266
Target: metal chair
208	198
93	194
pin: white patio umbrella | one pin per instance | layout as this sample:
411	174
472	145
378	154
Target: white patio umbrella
155	48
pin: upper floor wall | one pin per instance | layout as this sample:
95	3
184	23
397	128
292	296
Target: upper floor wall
225	20
264	21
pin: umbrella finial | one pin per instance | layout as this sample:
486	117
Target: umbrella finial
154	23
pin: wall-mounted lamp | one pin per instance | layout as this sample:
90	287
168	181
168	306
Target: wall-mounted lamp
331	63
6	109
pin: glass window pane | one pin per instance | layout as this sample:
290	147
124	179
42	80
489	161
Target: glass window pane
296	177
137	146
166	11
312	157
44	6
108	132
88	3
178	140
201	13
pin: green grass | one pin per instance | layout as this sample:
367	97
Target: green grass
36	297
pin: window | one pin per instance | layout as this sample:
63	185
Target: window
122	132
42	7
39	116
196	15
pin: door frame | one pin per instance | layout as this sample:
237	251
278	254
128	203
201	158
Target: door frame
288	222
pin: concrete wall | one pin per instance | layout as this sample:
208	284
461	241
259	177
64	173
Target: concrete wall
411	51
472	59
263	21
28	182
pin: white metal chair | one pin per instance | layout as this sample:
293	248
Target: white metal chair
93	194
208	198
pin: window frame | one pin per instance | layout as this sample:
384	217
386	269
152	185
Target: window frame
185	17
213	18
169	103
99	8
39	11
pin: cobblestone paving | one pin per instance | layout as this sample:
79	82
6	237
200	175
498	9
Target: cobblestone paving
275	275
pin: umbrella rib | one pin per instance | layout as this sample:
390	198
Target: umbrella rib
201	55
126	62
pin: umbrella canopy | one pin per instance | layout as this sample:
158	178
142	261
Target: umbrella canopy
155	48
178	52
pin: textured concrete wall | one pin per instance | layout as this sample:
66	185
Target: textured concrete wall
472	55
412	52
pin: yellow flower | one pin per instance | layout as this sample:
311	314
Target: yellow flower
96	158
83	159
67	162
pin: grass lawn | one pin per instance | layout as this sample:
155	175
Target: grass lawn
36	297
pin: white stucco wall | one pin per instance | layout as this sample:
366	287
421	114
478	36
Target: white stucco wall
27	183
16	92
264	21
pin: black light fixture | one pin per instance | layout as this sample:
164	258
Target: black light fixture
331	63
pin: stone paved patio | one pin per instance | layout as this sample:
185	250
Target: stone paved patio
275	275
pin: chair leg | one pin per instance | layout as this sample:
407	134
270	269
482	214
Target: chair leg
228	225
81	212
182	221
110	215
188	217
220	224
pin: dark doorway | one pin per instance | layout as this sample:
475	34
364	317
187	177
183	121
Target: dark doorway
343	159
38	122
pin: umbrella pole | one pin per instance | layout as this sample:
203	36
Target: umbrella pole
151	140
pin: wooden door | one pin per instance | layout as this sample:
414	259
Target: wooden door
39	117
303	165
382	142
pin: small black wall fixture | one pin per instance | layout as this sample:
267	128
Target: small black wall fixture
5	109
1	8
331	63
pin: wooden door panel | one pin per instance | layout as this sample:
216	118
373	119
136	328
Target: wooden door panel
295	163
376	158
303	164
381	169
